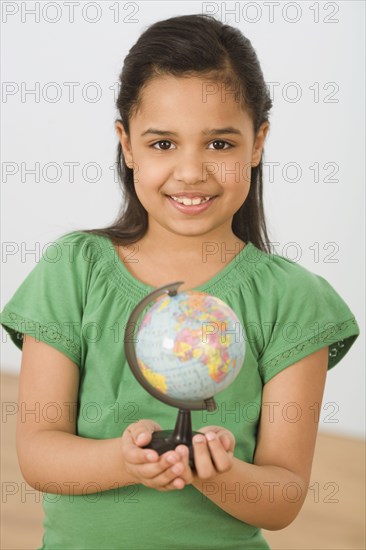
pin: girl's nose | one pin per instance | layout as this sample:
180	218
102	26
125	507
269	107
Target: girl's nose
190	169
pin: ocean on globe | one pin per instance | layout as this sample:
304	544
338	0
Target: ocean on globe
190	346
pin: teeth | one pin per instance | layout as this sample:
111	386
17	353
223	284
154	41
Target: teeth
190	202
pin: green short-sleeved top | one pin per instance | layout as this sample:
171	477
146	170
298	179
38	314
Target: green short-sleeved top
78	299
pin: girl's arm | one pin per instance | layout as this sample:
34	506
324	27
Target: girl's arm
270	492
53	458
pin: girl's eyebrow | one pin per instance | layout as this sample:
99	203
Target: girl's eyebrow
227	130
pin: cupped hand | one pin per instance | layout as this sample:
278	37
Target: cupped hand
213	451
166	472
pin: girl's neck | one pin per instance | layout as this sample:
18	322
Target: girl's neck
206	248
159	260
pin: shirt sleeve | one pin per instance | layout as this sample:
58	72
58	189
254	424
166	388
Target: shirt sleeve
49	303
306	314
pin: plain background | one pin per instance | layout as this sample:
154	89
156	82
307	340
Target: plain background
312	56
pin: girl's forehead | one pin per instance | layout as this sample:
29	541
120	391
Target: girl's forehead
180	96
202	86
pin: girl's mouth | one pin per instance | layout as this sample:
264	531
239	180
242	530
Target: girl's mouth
190	201
191	205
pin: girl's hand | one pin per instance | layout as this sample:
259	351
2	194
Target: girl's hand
164	473
213	454
213	451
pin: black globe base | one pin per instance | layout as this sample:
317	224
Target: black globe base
164	441
167	440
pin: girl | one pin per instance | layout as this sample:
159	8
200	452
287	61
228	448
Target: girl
194	111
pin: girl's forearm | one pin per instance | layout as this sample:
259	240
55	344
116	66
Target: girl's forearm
59	462
268	497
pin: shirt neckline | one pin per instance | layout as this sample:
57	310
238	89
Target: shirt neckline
244	262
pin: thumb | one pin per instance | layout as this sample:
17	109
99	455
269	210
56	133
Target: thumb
142	430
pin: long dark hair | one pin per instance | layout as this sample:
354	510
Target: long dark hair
197	45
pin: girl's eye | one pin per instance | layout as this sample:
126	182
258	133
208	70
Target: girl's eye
165	145
161	141
221	141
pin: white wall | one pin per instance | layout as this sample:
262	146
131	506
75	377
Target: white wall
319	52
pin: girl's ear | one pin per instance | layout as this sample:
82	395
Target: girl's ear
259	143
125	143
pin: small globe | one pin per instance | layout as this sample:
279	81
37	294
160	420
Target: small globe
190	346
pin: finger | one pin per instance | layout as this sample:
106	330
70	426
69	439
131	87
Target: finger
183	451
187	474
179	473
177	484
132	452
142	431
202	457
223	434
134	455
220	458
206	429
225	441
169	479
165	464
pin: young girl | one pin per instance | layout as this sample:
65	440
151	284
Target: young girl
193	110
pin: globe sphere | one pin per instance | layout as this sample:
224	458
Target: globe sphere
190	346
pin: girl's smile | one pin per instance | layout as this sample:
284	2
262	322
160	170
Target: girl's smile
193	179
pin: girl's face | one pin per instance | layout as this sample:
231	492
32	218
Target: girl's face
191	148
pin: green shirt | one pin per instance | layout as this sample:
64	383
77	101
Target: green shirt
78	299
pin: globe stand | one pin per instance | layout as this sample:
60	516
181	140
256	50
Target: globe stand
168	440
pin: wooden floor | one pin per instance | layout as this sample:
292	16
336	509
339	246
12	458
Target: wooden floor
332	518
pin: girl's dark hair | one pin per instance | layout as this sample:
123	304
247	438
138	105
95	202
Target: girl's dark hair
191	45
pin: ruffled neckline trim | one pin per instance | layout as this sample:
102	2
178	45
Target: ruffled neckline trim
244	263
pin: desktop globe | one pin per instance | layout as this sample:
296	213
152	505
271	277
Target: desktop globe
189	346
